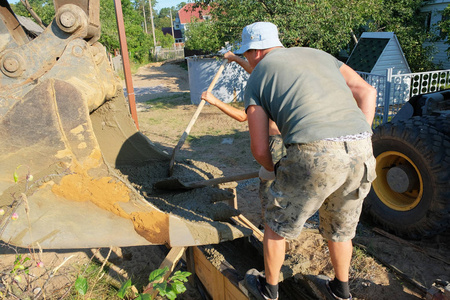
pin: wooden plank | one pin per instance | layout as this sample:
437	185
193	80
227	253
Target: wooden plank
233	293
190	265
241	220
203	269
218	292
257	233
233	202
215	282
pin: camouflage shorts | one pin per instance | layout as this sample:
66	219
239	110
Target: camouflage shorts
278	150
332	177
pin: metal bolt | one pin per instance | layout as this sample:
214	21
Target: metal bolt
11	64
67	19
77	51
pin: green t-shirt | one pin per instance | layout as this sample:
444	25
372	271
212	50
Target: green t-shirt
303	91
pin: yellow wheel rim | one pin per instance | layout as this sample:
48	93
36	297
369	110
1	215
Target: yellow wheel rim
396	201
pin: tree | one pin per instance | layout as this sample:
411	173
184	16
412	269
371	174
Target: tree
196	39
163	19
404	18
164	40
43	8
327	24
444	26
139	43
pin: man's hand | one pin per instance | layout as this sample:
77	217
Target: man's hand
242	62
209	97
230	56
266	175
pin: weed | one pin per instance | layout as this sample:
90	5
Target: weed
169	288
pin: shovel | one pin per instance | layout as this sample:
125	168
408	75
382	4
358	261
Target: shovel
176	184
194	118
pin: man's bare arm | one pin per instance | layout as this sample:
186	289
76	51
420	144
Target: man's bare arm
233	112
364	94
258	124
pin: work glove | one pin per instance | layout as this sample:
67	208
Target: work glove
266	175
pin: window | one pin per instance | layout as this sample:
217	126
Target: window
443	35
427	20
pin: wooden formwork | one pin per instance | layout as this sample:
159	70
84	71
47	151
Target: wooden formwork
223	282
218	286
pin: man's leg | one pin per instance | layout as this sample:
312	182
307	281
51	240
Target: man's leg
341	256
274	252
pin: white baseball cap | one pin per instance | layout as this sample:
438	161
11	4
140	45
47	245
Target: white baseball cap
259	35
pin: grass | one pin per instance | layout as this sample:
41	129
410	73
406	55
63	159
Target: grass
169	102
99	284
134	67
26	279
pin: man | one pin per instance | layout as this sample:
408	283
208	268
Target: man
276	146
324	111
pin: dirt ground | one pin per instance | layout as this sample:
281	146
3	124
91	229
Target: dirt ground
382	267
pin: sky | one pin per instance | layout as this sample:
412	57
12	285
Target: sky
168	3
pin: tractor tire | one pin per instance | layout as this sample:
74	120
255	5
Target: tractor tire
423	209
441	123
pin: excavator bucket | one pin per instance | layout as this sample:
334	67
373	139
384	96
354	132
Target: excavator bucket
74	170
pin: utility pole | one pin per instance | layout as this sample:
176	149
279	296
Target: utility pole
173	34
153	26
145	19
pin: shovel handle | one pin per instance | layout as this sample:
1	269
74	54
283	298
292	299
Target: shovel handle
194	118
202	103
223	180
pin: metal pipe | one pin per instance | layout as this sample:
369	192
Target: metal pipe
126	61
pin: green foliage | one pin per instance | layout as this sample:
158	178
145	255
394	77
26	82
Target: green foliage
327	24
403	17
81	285
203	36
19	265
139	43
16	176
157	275
28	176
163	19
444	26
169	288
43	8
123	289
164	40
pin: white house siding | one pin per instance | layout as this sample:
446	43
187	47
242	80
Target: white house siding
436	8
392	57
